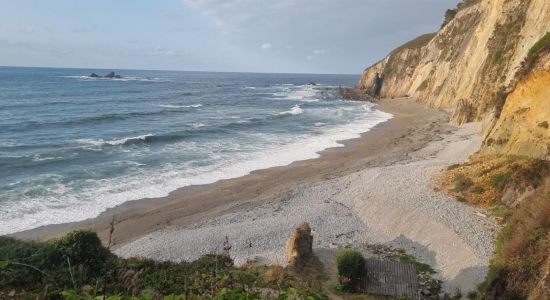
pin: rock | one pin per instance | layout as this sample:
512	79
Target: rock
118	76
299	247
110	75
93	75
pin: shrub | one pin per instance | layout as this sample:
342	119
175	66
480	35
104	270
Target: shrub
500	180
462	183
83	248
540	45
351	265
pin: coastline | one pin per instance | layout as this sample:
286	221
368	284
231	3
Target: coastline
356	153
376	189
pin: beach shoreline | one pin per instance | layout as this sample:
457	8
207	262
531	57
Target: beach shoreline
403	113
376	189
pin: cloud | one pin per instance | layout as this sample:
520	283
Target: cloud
266	46
349	34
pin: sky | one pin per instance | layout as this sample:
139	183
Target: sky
280	36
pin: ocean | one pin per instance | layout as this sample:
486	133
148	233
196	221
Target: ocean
73	146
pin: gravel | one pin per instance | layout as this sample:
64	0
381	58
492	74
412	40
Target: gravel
394	205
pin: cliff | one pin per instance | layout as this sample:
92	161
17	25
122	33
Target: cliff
475	67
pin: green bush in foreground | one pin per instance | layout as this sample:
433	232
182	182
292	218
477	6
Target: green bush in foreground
78	267
351	265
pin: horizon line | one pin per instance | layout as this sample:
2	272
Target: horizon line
173	70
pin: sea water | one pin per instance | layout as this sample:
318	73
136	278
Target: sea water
72	146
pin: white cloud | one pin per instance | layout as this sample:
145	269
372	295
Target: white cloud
320	51
310	57
266	46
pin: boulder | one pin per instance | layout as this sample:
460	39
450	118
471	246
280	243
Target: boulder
299	247
93	75
110	75
118	76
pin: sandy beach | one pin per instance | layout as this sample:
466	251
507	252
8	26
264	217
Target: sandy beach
377	189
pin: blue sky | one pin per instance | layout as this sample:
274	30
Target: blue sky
298	36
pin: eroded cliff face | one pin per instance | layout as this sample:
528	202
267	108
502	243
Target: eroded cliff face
523	126
470	67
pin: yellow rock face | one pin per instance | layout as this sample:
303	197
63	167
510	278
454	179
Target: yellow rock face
524	124
470	65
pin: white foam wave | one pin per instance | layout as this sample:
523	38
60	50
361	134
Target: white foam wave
37	157
198	125
304	93
66	205
115	142
295	110
180	106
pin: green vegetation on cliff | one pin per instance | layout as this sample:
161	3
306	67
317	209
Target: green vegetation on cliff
517	192
540	46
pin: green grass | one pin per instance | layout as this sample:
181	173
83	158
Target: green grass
500	210
77	266
500	180
540	45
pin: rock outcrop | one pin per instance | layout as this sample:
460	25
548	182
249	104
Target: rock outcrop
299	247
471	67
93	75
110	75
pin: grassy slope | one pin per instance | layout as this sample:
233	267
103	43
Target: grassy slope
522	254
78	266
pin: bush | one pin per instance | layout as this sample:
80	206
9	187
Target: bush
462	183
500	180
351	265
83	248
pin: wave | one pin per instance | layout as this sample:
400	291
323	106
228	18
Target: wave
295	110
22	126
180	106
115	142
101	194
198	125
